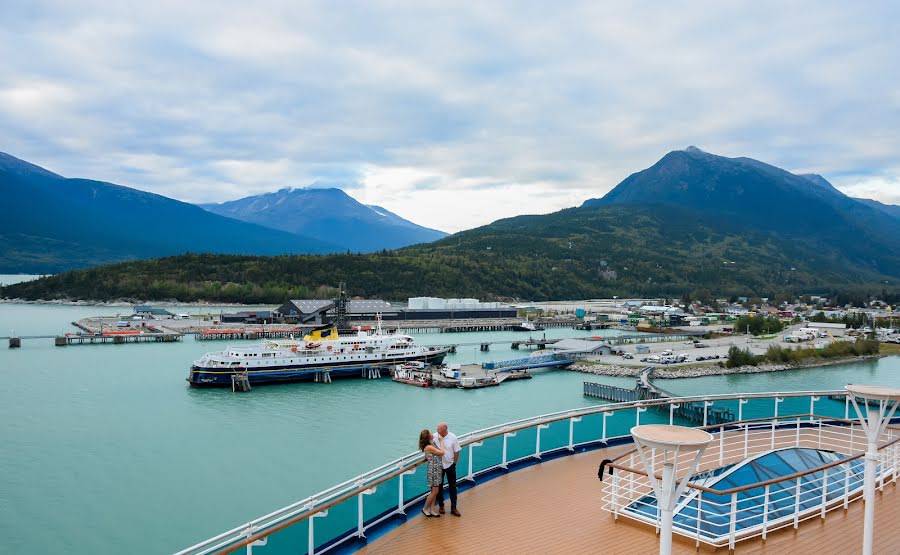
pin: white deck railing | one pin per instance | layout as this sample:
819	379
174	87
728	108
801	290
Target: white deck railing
565	434
720	517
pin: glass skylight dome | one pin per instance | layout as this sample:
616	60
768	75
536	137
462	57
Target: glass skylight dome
715	510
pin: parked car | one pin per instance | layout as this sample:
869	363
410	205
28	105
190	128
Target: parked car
627	355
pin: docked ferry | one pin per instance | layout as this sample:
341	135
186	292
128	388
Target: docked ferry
321	353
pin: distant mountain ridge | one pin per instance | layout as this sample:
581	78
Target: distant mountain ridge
328	214
51	223
889	209
692	223
761	196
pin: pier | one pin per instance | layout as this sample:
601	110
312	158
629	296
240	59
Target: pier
115	339
694	412
539	343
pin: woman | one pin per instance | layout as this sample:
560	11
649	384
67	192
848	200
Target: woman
434	473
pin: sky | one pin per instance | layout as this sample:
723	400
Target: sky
452	115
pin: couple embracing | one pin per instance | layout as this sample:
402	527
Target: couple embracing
442	453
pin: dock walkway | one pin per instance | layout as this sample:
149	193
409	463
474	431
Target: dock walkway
645	390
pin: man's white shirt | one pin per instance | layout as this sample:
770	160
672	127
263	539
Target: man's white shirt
451	448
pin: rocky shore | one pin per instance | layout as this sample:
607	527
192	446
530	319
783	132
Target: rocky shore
695	371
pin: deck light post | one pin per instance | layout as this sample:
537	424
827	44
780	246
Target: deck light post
881	403
666	443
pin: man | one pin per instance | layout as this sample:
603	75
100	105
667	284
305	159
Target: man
451	457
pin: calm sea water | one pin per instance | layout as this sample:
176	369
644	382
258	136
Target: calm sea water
106	450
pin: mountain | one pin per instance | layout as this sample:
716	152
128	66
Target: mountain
329	215
806	210
50	224
692	223
889	209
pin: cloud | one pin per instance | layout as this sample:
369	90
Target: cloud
449	116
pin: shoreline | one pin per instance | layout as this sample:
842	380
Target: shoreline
124	303
601	369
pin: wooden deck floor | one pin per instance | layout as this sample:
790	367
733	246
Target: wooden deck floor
554	507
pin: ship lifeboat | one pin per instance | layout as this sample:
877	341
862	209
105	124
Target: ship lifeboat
328	347
313	345
294	349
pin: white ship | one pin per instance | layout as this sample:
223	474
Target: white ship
322	352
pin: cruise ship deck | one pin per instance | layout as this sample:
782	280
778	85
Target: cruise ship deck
554	507
792	472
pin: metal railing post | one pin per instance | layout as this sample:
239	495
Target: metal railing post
699	515
746	439
506	435
765	523
261	542
772	447
847	486
706	405
312	520
812	407
615	494
637	418
537	441
797	504
824	491
605	416
572	422
721	444
741	403
360	520
732	526
471	475
672	407
401	499
778	401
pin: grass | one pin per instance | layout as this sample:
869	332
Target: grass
889	349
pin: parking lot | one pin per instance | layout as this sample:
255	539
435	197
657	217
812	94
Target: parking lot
715	348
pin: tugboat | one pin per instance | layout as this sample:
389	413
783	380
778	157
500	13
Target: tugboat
321	354
412	373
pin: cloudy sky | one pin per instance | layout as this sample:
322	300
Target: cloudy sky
450	114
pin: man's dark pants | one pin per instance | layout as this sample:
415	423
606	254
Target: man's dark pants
450	475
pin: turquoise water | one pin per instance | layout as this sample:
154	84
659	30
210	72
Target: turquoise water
106	449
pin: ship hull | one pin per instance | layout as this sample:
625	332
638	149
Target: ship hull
205	377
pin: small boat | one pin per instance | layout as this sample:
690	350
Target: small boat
526	326
476	383
412	373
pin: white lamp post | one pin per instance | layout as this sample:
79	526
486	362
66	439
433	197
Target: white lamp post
881	403
666	443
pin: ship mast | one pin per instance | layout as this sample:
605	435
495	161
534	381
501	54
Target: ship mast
340	306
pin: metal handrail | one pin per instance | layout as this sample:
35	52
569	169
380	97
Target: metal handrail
771	481
796	500
335	495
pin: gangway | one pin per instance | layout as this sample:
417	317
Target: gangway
697	412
